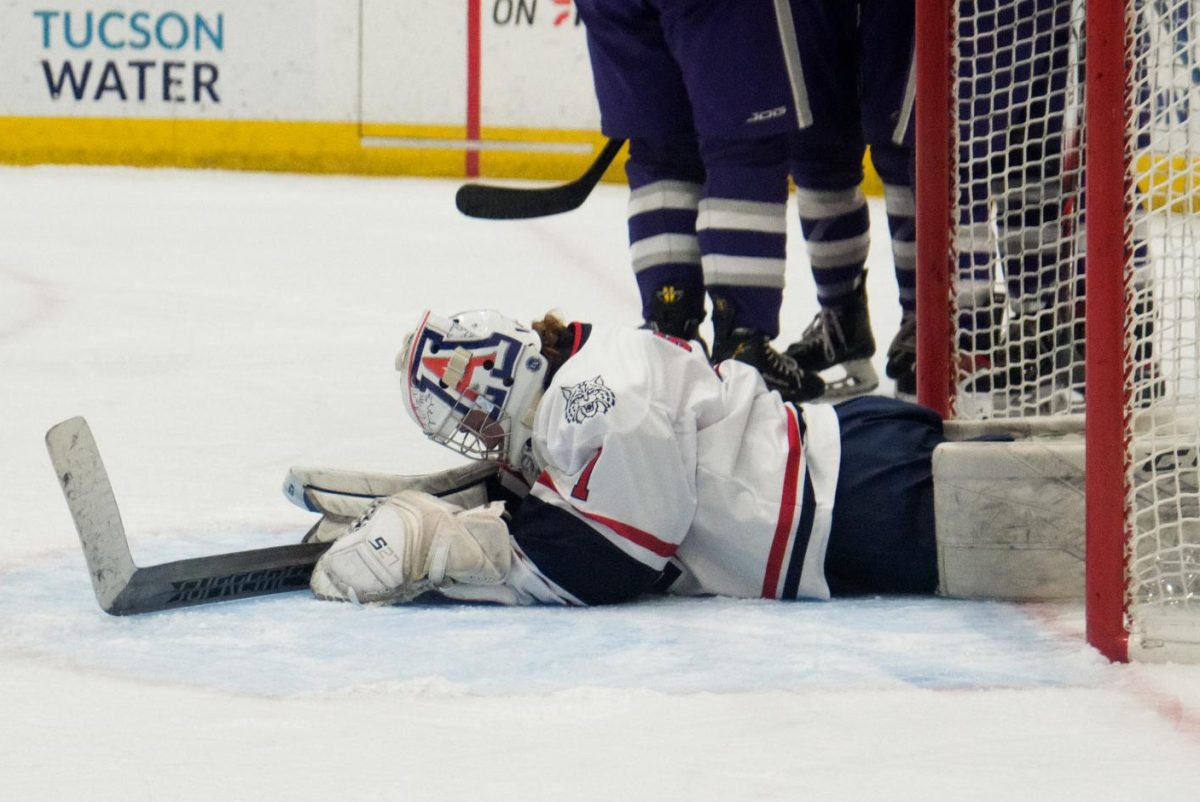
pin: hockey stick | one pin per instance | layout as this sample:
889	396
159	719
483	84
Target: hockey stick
515	203
122	587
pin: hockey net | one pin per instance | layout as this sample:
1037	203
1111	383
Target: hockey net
1056	174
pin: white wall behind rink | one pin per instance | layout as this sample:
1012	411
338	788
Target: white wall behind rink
399	71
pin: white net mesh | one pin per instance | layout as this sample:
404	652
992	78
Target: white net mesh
1019	243
1161	331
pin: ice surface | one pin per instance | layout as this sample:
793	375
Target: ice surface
217	328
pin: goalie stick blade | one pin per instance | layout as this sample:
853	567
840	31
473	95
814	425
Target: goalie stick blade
93	507
121	587
219	577
489	202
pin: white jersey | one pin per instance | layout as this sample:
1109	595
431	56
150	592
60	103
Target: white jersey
657	466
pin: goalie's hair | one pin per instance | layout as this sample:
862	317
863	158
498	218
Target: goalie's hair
551	328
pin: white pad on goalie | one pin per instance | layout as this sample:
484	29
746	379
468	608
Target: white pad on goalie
410	543
1010	519
342	496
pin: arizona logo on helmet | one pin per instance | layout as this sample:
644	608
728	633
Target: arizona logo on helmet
467	368
456	365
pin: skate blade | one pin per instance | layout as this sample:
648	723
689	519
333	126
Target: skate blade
1044	399
858	377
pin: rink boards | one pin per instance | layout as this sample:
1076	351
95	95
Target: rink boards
498	88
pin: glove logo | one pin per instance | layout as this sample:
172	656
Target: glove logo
588	399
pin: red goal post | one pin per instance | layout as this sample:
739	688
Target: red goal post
1028	112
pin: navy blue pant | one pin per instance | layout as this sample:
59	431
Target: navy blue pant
666	68
702	91
856	56
883	536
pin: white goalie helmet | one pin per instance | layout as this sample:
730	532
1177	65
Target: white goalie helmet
472	382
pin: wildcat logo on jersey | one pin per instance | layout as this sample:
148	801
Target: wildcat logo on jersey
588	399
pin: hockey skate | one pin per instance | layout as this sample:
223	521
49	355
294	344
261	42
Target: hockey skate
1146	377
983	386
982	377
981	372
1045	368
1035	368
902	358
779	371
840	336
674	314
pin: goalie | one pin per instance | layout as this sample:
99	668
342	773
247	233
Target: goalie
642	470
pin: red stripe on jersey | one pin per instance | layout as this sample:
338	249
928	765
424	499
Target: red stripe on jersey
684	344
631	533
577	330
787	508
580	490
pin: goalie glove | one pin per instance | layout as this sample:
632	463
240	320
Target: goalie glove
410	543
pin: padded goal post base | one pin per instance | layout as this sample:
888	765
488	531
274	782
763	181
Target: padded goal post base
1165	635
1010	519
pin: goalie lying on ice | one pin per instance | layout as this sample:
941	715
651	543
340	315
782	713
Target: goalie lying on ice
638	468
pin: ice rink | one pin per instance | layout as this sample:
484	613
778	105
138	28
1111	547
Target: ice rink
217	328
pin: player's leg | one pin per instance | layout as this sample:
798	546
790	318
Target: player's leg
887	92
642	98
1147	379
993	99
892	162
835	222
985	116
1028	193
980	311
665	182
738	71
1027	184
742	230
826	164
